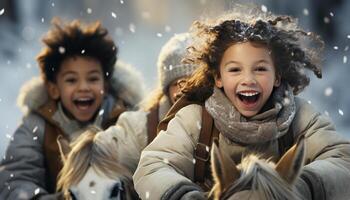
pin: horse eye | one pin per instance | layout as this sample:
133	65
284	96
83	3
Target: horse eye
72	195
115	191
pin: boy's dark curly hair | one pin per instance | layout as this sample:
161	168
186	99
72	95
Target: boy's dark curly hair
292	49
74	39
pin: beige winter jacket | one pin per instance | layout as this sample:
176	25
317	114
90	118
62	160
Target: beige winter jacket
169	159
131	134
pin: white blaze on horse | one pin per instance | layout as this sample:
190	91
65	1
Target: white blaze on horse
91	169
257	178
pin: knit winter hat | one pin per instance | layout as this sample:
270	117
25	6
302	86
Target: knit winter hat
169	63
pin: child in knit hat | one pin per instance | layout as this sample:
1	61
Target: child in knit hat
251	66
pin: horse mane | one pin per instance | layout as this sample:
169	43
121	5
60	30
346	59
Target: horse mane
258	175
91	149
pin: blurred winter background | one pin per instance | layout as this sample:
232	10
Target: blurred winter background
141	27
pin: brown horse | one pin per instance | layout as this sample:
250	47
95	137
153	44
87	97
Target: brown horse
257	178
91	169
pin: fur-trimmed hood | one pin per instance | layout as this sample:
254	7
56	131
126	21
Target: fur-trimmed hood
126	84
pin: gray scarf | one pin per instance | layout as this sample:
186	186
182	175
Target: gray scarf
266	126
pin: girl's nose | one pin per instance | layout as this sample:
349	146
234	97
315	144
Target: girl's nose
83	86
248	79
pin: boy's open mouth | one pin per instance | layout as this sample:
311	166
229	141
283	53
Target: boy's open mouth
248	97
83	103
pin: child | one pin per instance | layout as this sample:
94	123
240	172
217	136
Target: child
78	87
135	129
251	64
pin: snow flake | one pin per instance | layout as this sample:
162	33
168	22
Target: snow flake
346	48
348	36
11	175
114	15
121	2
89	10
331	14
53	4
286	101
101	112
263	8
326	113
36	191
170	67
194	161
167	29
9	187
145	15
42	20
102	92
61	49
335	47
345	59
0	99
35	138
2	11
166	161
28	65
93	192
207	148
326	20
328	91
309	102
132	28
83	51
11	157
305	11
35	129
340	112
147	195
159	35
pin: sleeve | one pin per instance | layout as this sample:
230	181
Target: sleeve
22	171
130	132
169	160
327	169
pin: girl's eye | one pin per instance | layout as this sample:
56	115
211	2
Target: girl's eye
234	69
261	68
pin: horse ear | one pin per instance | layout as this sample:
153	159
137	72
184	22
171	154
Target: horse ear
63	146
223	168
291	163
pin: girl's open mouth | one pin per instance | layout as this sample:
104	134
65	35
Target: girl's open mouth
248	98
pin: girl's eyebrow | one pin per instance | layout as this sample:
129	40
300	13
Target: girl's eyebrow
262	61
94	71
232	62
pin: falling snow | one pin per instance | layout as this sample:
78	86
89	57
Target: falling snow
114	15
101	112
53	4
326	20
335	47
328	91
306	12
199	126
121	2
35	129
83	51
42	20
159	35
36	191
345	59
62	50
263	8
309	102
89	10
167	29
331	14
346	48
340	112
326	113
132	28
2	11
93	192
194	161
35	138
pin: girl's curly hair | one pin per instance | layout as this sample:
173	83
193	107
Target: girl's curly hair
72	39
292	50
